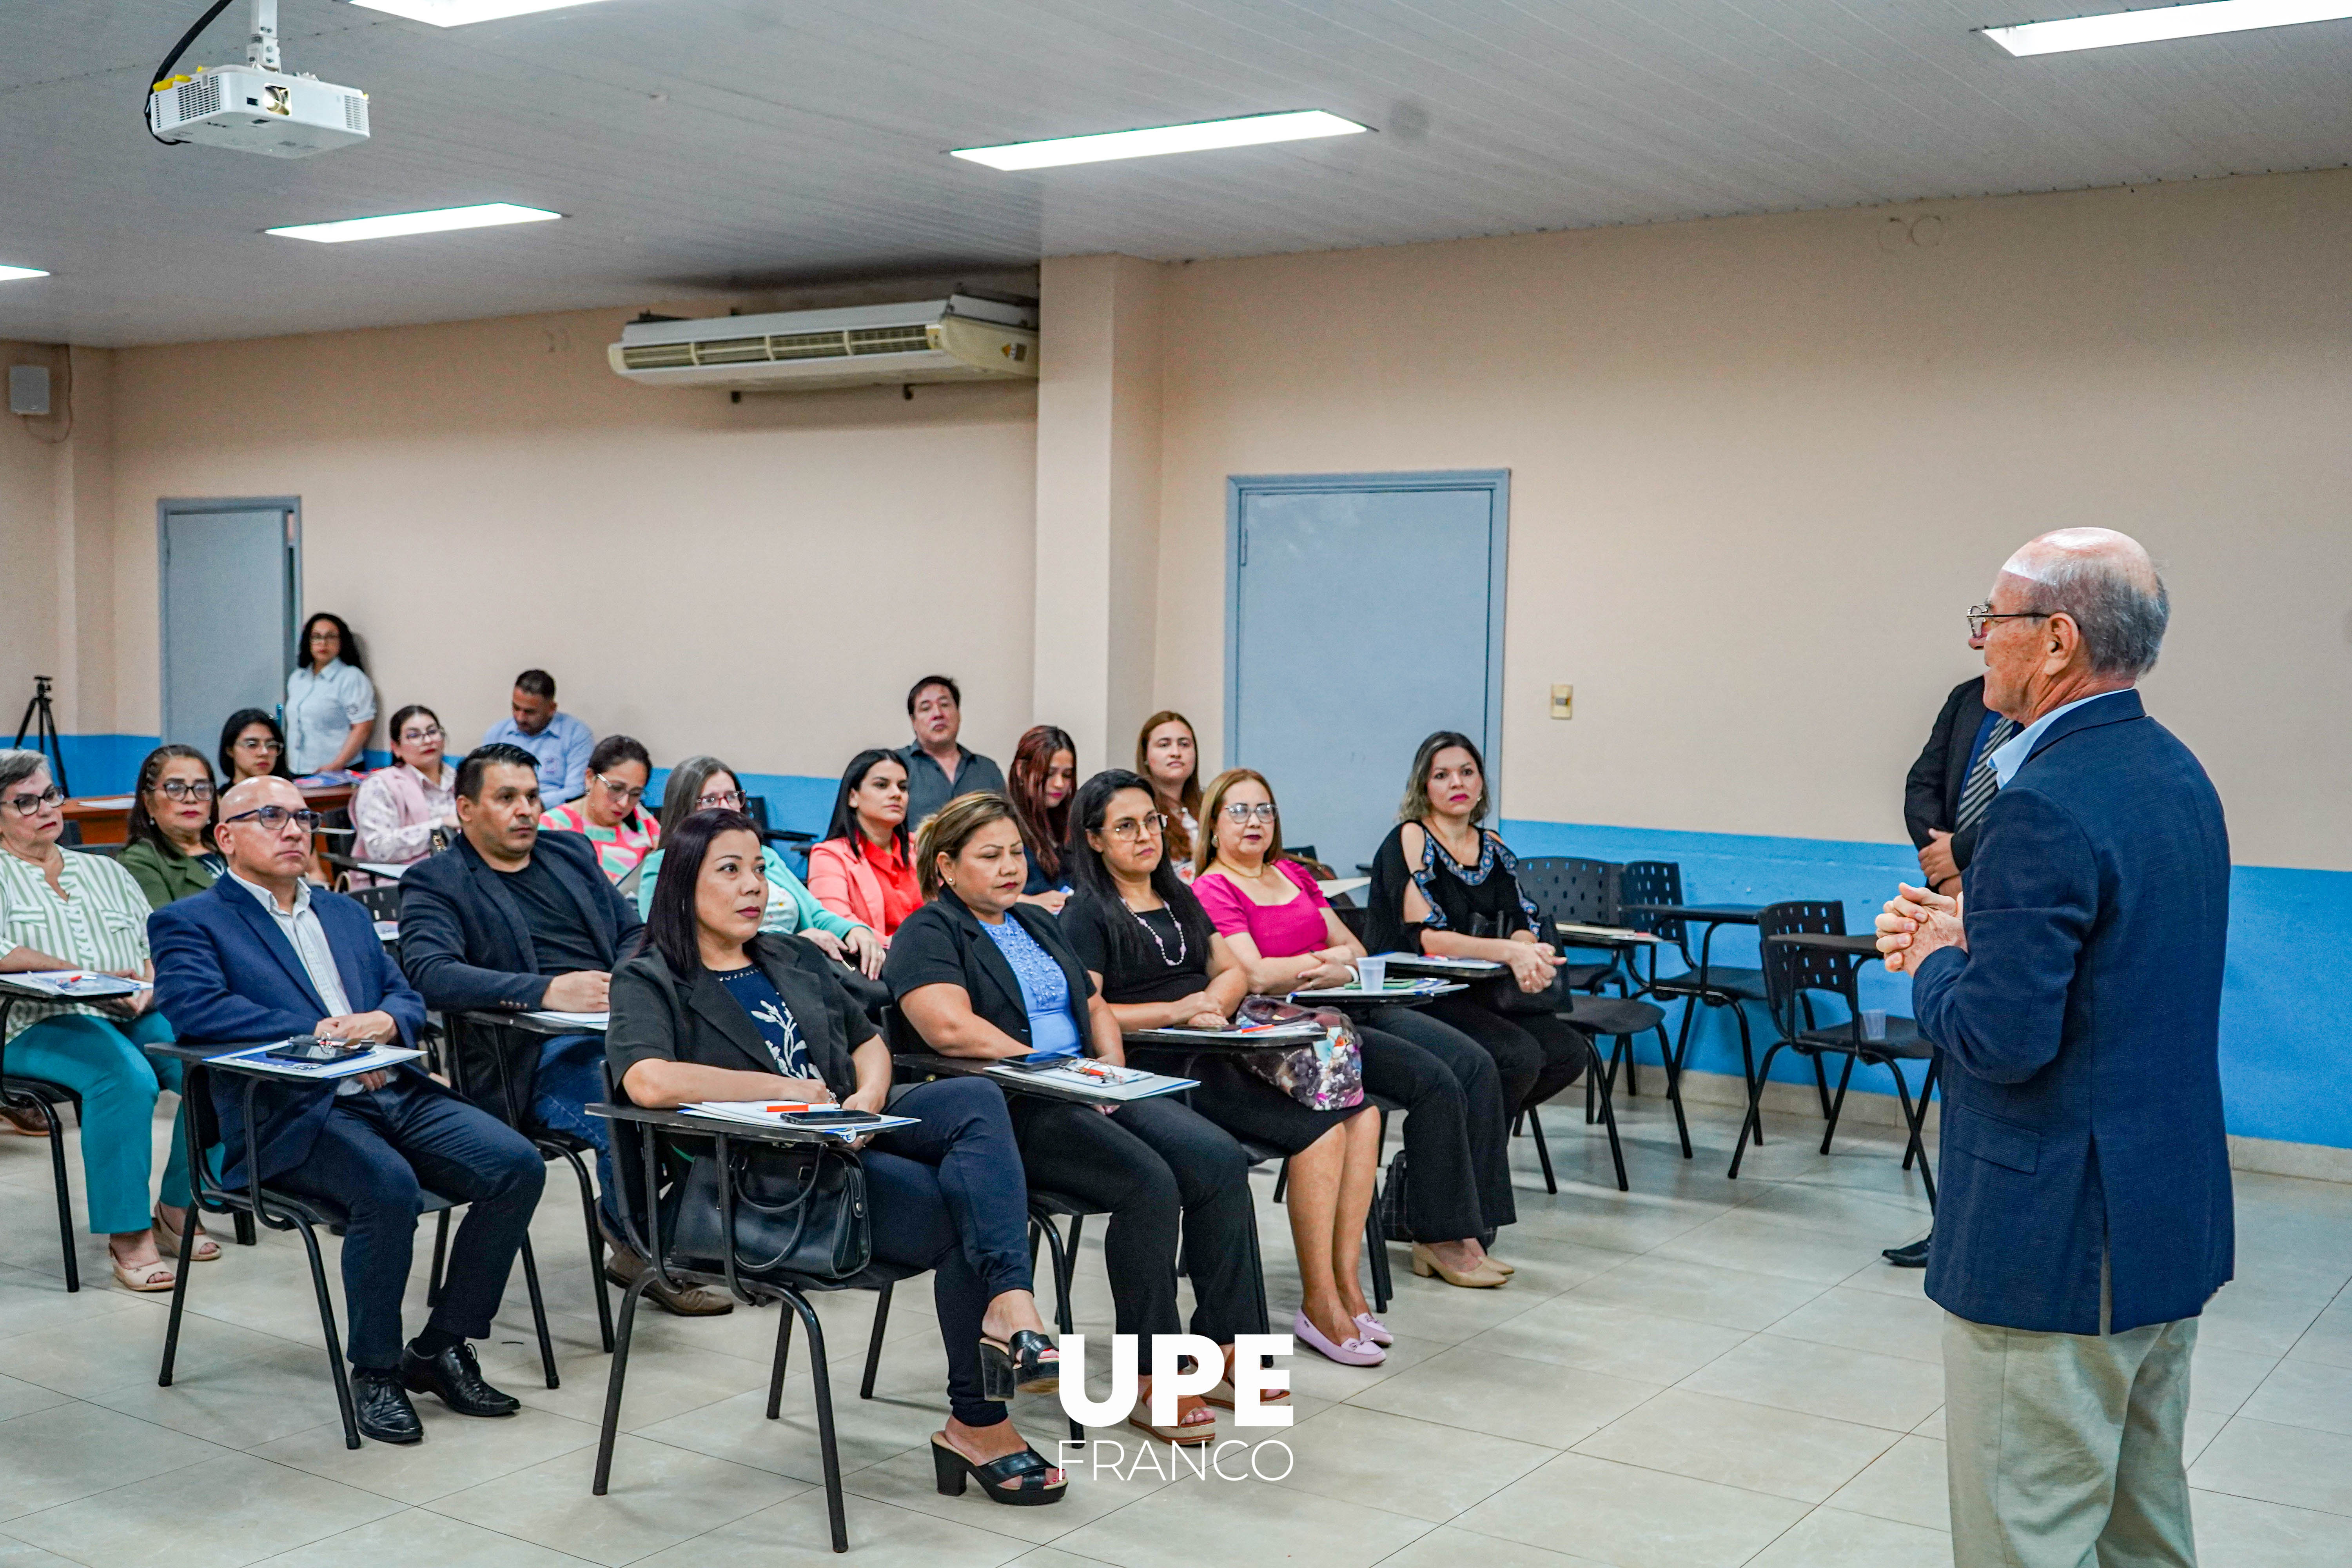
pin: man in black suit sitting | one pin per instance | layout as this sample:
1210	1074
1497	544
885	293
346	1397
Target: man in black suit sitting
511	920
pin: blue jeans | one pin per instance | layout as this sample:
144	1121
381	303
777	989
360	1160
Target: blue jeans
99	1059
571	1076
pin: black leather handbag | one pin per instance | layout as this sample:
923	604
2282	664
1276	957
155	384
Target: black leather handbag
799	1211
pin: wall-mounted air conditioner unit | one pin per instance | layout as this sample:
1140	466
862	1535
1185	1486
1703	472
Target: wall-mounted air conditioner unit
956	339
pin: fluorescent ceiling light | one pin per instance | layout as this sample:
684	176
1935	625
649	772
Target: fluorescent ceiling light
10	274
458	12
1250	131
438	221
2164	21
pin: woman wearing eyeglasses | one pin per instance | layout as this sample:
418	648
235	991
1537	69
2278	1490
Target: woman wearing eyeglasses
706	783
1286	937
170	852
1148	943
330	702
395	809
607	816
64	911
252	746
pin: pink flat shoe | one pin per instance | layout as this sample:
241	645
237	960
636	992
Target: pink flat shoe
1371	1330
1348	1352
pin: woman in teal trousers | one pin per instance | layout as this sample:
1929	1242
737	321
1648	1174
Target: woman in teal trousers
64	911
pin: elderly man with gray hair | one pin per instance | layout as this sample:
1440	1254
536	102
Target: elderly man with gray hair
2074	987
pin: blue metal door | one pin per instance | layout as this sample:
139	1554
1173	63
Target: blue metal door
1364	612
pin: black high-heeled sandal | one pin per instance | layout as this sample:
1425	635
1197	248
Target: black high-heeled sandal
1019	1366
1028	1466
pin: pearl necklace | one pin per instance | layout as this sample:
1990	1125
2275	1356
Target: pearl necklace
1175	963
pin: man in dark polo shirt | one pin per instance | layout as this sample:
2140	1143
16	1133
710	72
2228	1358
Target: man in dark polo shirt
938	768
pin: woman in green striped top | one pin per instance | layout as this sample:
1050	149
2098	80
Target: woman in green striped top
61	911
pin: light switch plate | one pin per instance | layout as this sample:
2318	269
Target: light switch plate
1563	701
28	389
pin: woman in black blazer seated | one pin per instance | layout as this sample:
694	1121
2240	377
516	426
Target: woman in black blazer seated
978	973
718	1010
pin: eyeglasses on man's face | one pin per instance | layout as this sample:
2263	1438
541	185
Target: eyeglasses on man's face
1242	811
720	800
627	794
1982	615
30	805
1127	829
275	818
185	789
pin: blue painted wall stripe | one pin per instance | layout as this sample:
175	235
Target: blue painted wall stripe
2283	1074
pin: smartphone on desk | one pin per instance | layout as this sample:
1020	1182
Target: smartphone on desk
311	1050
1037	1061
830	1118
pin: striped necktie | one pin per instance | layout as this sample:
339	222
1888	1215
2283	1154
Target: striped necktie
1982	784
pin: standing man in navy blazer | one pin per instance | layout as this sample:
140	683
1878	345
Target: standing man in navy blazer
2076	989
260	956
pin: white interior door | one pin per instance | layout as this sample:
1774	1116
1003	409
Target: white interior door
229	595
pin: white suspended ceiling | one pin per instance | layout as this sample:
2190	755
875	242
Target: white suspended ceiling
714	146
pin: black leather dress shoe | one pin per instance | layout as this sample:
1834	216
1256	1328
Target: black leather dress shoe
383	1407
457	1377
1914	1255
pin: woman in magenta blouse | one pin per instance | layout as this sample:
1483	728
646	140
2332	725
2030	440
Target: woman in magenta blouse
1278	925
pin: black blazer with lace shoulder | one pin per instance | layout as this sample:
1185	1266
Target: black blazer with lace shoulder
657	1016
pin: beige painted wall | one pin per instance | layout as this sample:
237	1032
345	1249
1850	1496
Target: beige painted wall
56	556
762	579
1762	466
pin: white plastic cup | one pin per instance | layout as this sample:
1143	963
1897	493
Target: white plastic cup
1874	1023
1371	974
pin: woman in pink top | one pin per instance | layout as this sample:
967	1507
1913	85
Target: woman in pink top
1278	925
395	809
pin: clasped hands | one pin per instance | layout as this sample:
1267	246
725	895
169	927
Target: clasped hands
1916	922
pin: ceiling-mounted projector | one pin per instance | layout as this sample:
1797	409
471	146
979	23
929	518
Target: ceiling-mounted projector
256	106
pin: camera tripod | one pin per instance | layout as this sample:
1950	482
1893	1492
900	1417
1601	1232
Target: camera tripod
41	719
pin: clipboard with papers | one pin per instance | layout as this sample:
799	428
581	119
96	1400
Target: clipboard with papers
1084	1078
75	984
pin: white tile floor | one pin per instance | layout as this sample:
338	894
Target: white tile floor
1698	1372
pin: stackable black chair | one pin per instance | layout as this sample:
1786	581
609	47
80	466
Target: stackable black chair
471	1046
1585	892
1703	982
280	1210
1791	974
20	1093
643	1228
755	807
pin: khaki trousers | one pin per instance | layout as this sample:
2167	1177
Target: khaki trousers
2063	1450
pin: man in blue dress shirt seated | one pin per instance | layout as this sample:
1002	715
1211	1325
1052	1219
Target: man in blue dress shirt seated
2074	988
511	920
261	955
557	741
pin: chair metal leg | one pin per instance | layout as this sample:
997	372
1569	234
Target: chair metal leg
595	1250
1675	1087
1543	1152
247	1235
334	1341
1838	1105
1821	1088
65	1192
1755	1084
1633	1066
1376	1260
825	1437
617	1377
1755	1121
537	1314
777	1362
440	1259
874	1345
180	1273
1609	1119
1912	1118
1062	1261
1281	1180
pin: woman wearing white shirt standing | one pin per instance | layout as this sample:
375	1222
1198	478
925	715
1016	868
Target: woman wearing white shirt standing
395	809
330	702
